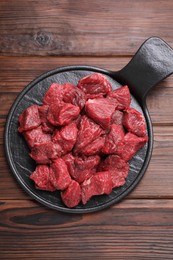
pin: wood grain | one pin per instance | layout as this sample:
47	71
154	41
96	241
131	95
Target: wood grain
90	27
37	36
136	229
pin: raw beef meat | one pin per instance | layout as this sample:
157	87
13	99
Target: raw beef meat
53	113
66	137
122	96
72	195
59	175
93	96
100	110
29	119
84	167
61	113
134	122
95	84
117	167
88	132
114	140
117	117
36	136
75	96
94	147
41	177
54	94
132	144
43	153
82	138
98	184
46	126
69	160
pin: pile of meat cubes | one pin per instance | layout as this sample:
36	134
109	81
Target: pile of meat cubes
82	138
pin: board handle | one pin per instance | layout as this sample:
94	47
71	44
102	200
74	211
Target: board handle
152	63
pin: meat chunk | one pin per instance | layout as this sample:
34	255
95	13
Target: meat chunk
61	113
88	132
84	167
134	122
72	195
93	96
94	147
69	160
41	177
59	175
117	117
54	94
68	113
53	113
36	136
99	183
29	119
122	96
66	137
75	96
114	140
43	153
117	167
46	126
132	144
100	110
95	83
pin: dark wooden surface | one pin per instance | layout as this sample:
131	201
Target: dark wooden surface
37	36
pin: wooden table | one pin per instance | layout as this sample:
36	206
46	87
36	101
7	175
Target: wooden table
37	36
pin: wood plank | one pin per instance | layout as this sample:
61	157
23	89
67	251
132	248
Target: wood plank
156	183
81	28
17	72
133	228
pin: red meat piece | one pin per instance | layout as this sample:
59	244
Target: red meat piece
92	96
69	160
72	195
36	136
95	83
43	110
66	137
54	94
84	167
94	147
75	96
122	95
88	132
117	167
100	110
29	119
41	177
132	144
53	113
43	153
61	113
117	117
67	113
134	122
103	182
59	175
114	140
46	126
97	184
